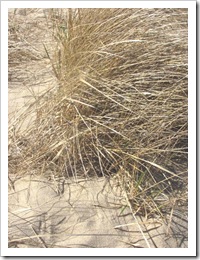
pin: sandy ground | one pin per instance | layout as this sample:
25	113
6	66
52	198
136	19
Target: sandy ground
30	70
90	213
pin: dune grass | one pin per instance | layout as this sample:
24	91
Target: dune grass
121	106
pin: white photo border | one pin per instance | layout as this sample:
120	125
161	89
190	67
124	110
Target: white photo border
191	250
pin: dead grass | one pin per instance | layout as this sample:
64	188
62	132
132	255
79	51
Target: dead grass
121	106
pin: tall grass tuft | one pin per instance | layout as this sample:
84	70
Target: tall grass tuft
121	106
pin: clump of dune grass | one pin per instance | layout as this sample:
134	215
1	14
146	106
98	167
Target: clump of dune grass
121	106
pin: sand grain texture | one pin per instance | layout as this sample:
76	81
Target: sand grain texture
90	213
